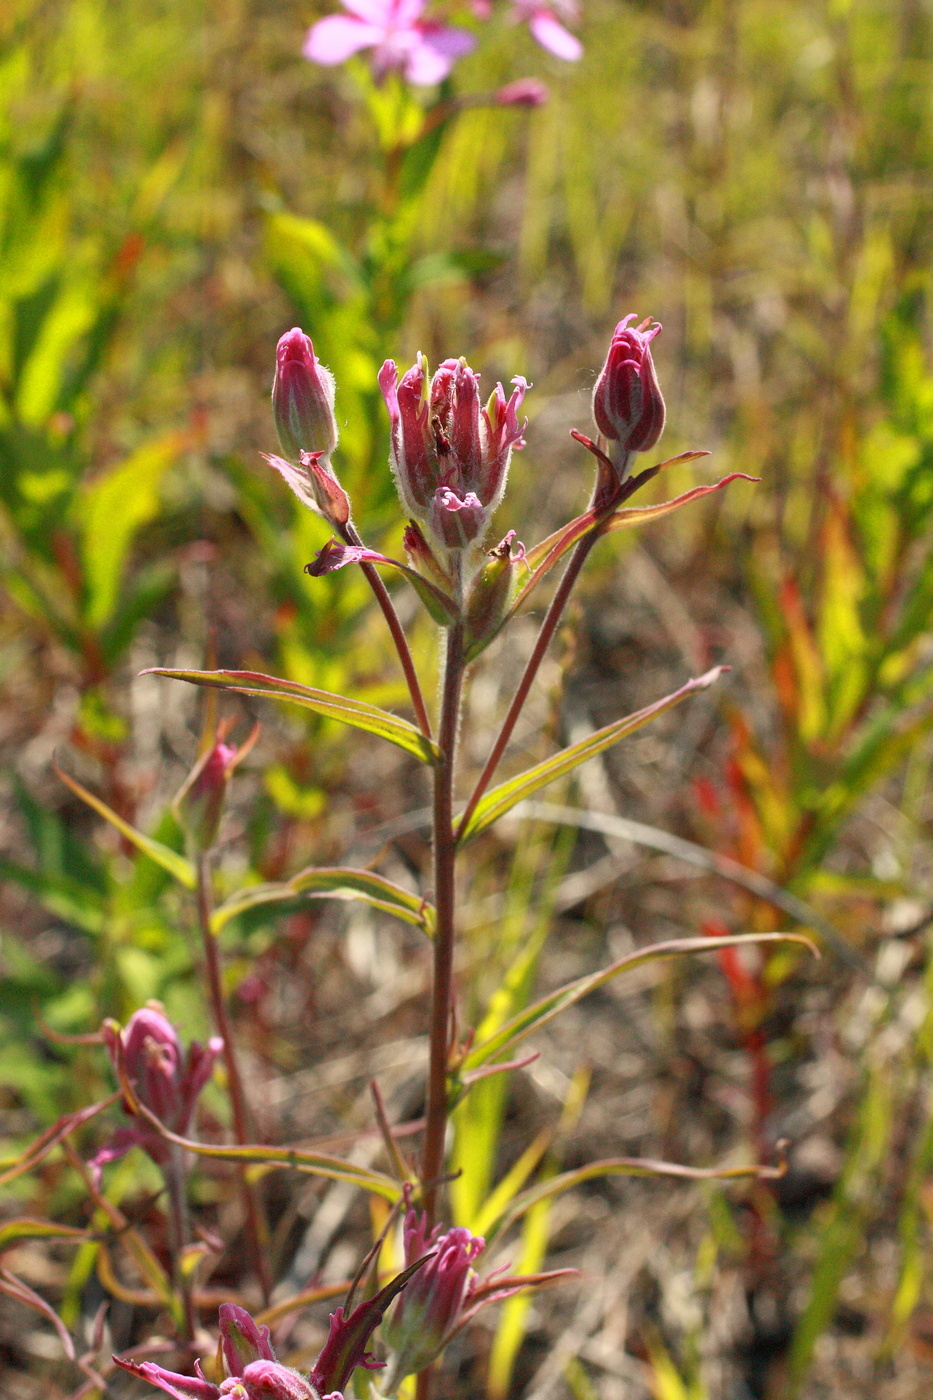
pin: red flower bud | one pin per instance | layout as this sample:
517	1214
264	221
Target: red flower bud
627	402
423	1317
302	398
523	92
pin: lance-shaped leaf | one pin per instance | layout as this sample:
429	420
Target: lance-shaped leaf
542	557
170	860
340	707
533	1017
332	882
345	1348
27	1228
500	799
317	1163
15	1164
14	1287
626	1166
631	516
334	556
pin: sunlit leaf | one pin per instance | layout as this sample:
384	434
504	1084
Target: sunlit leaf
332	882
112	509
25	1228
624	1166
340	707
500	799
541	1012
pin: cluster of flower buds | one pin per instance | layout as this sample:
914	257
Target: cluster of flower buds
424	1317
164	1079
450	456
450	453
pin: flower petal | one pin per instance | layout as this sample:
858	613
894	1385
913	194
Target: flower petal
552	36
432	58
337	38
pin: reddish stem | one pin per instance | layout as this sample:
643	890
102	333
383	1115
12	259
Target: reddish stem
548	627
445	851
255	1222
383	598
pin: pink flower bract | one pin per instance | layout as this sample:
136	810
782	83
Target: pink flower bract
423	50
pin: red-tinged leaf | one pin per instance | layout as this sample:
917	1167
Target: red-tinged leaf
542	557
340	707
11	1167
315	1163
629	517
178	1387
345	1348
26	1228
14	1287
334	556
502	798
333	882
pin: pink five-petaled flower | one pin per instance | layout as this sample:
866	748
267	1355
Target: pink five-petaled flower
165	1080
544	25
255	1374
449	453
627	402
423	50
424	1317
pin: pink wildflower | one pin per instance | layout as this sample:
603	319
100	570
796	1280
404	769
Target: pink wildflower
402	40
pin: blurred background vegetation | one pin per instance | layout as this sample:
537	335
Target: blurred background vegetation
177	188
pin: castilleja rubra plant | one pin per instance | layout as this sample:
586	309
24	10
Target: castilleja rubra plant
450	452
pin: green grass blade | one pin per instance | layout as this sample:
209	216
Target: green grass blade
333	882
340	707
170	860
502	798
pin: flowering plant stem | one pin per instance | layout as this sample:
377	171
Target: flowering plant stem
255	1221
384	600
548	627
445	851
179	1235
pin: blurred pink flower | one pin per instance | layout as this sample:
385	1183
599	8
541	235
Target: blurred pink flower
423	50
546	27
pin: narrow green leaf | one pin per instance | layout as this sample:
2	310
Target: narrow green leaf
353	712
542	557
499	801
332	882
299	1159
26	1228
622	1166
176	865
540	1012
